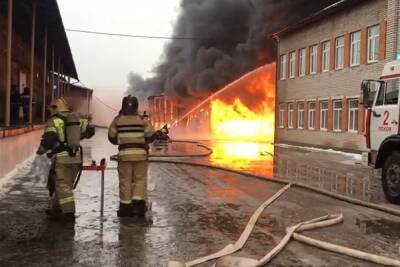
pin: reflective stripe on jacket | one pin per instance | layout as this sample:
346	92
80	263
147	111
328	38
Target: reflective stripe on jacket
130	132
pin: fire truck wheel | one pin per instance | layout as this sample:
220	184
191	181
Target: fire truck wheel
391	178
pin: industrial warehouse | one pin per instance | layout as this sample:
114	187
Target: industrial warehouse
224	133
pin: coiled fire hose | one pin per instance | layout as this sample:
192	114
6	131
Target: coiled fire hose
291	232
232	248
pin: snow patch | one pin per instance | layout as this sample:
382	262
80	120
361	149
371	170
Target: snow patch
354	156
21	168
33	167
40	168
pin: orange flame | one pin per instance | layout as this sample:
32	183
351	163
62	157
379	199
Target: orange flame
250	114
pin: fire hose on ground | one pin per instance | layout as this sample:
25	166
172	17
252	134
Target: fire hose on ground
292	232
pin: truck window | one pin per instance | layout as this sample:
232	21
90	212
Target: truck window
392	92
381	96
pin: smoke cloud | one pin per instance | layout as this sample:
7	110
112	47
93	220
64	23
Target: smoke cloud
231	37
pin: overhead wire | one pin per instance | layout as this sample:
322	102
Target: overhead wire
133	35
105	104
99	100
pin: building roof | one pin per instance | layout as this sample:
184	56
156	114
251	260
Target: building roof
81	88
322	14
48	13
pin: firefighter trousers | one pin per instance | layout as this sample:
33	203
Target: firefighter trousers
132	181
64	177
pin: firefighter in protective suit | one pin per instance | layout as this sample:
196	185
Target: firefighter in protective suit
132	133
61	142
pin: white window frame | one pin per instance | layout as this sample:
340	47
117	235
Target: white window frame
337	111
302	62
290	115
300	116
281	115
282	67
339	48
292	64
326	56
313	59
355	48
353	124
311	113
323	116
373	42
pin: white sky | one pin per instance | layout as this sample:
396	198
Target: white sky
103	62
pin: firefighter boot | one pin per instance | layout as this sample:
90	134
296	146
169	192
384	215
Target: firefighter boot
57	215
125	210
139	208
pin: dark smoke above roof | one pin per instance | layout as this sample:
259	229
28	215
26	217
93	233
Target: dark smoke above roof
233	37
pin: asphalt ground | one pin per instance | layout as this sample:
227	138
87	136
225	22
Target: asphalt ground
195	211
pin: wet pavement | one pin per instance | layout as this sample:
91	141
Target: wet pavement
198	211
332	171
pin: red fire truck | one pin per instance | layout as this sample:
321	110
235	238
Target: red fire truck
381	100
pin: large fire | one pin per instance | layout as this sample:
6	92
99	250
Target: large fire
242	118
250	114
239	121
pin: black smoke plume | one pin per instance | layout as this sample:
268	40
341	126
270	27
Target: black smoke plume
231	37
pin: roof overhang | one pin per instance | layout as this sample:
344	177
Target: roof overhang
48	14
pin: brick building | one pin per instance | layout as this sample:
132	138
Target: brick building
322	61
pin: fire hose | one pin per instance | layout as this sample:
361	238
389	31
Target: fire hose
230	249
292	232
155	158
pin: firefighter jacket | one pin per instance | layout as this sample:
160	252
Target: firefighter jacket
132	134
54	138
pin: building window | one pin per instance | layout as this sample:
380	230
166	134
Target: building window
353	115
313	59
290	115
311	115
339	55
326	51
300	116
324	115
292	64
282	67
373	44
281	114
337	115
302	62
355	38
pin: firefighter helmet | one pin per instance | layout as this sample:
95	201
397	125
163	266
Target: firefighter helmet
130	105
59	105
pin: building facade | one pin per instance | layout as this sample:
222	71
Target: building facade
321	63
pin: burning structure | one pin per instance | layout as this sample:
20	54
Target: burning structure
243	110
215	69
